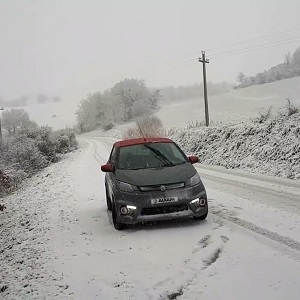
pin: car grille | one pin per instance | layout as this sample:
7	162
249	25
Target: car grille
150	188
163	209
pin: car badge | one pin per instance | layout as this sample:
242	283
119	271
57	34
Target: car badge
163	188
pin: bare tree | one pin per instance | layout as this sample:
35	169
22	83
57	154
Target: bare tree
241	77
56	99
86	115
128	99
288	59
149	126
130	91
41	98
296	57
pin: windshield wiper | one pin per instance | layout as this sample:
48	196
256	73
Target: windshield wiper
138	168
160	156
179	163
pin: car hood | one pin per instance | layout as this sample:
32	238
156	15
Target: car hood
165	175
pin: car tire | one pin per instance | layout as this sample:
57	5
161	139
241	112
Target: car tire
108	201
117	224
201	218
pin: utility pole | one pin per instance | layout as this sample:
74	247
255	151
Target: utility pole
1	108
205	61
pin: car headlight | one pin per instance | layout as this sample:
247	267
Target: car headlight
194	180
199	202
126	187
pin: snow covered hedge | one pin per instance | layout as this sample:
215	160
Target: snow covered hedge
30	151
268	145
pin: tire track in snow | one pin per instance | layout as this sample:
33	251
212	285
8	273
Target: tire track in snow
205	253
241	175
281	200
286	241
99	157
105	142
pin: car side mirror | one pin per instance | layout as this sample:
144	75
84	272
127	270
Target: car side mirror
107	168
193	159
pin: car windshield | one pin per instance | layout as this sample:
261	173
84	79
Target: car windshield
150	155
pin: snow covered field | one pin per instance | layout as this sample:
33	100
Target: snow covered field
233	107
57	240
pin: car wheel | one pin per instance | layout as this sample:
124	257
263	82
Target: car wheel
203	217
117	224
108	201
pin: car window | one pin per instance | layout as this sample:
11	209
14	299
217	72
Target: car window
113	155
150	155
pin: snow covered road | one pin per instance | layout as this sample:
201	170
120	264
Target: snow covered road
248	248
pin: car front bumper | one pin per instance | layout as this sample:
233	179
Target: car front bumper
142	209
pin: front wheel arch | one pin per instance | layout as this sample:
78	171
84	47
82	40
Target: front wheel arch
201	218
108	199
117	224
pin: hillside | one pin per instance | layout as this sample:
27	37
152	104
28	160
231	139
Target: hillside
58	115
234	106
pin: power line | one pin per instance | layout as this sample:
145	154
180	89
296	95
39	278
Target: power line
170	66
252	48
255	49
255	46
238	51
249	40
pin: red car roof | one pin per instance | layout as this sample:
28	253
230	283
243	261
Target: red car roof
138	141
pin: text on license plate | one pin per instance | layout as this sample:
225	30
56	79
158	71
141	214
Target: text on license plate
164	200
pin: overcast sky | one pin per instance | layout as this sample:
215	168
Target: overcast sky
53	46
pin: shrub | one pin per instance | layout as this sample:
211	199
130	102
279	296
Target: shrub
264	115
62	144
5	183
150	126
107	126
195	124
31	151
24	154
291	108
44	141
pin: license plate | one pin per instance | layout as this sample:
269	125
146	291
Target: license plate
164	200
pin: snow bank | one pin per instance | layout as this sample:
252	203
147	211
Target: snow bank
271	147
26	233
